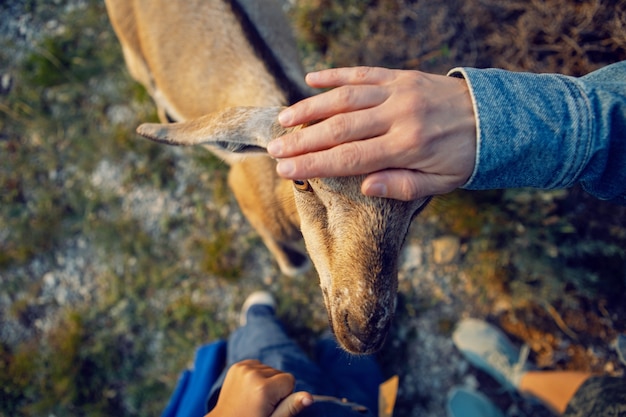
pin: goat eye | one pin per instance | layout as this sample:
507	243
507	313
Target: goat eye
302	185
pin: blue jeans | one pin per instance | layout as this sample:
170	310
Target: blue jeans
334	372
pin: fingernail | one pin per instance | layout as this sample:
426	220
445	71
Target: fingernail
312	76
376	189
274	148
285	117
285	168
306	401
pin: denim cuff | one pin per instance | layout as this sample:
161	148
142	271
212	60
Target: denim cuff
550	131
533	130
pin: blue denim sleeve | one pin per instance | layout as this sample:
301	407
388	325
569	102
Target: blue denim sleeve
550	131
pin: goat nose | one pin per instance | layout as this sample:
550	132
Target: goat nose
358	329
361	336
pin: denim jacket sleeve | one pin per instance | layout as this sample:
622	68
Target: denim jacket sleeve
550	131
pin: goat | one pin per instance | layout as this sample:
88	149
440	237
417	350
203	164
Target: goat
222	70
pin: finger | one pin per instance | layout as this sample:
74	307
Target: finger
253	369
339	100
274	376
279	386
351	158
335	77
293	404
405	185
267	389
249	362
312	154
329	133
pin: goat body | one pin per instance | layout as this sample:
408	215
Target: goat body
223	70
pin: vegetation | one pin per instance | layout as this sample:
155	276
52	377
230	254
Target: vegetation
70	115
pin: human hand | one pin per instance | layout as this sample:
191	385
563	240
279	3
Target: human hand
256	390
414	133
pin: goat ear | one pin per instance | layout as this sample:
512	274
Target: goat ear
235	130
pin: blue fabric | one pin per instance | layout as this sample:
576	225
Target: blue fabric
620	346
179	393
550	131
334	372
189	397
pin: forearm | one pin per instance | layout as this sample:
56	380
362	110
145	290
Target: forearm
550	131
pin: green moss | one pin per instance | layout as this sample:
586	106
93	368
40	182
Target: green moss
18	369
54	131
219	257
75	53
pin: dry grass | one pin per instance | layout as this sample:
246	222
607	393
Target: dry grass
565	36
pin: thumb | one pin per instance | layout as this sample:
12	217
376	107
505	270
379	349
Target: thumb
403	184
293	404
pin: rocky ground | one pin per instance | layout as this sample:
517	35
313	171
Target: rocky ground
137	265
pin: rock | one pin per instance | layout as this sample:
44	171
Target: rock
6	83
412	256
446	249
